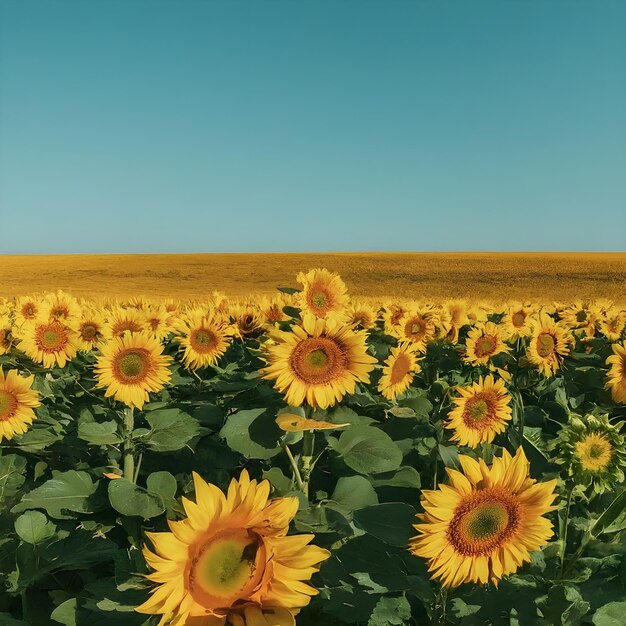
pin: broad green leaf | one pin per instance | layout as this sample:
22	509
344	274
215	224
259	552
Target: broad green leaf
65	613
66	491
405	477
450	457
611	614
368	450
12	475
236	431
132	500
390	611
99	433
614	517
354	492
33	527
171	429
391	522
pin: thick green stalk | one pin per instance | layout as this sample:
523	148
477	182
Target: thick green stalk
306	459
563	526
129	445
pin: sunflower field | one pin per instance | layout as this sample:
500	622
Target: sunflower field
311	459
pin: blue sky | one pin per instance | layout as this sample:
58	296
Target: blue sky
319	125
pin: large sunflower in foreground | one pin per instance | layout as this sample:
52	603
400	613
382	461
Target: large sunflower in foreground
482	411
204	337
548	346
17	401
484	524
616	376
398	372
593	451
317	362
49	342
231	561
484	341
132	366
323	294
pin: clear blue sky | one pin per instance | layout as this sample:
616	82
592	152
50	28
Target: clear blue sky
295	125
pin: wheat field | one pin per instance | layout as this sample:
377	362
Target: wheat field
491	276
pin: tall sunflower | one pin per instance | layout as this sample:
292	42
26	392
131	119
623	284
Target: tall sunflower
230	561
26	309
60	306
132	366
398	372
593	451
121	321
203	339
49	342
517	320
616	376
611	324
482	411
361	314
417	326
323	294
484	341
484	524
318	362
91	329
17	401
548	346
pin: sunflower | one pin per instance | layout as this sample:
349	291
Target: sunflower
26	310
60	306
417	326
230	560
273	308
517	320
484	341
580	316
482	411
616	376
6	340
484	524
323	294
392	314
548	346
91	329
247	320
121	321
17	401
398	372
361	314
158	321
611	324
49	342
318	362
131	366
593	451
204	337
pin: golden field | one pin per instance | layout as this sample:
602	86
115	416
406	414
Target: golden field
491	276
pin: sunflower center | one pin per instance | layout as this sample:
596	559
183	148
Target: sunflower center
594	453
8	405
88	332
202	340
485	345
545	345
478	410
581	316
518	319
319	299
132	365
60	311
318	360
29	311
400	369
225	568
51	337
126	325
483	521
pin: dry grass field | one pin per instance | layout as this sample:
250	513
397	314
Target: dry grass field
491	276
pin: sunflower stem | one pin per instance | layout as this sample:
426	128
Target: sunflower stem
294	466
563	526
129	445
439	608
306	459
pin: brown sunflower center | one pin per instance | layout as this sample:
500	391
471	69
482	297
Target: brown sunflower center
581	316
398	312
318	360
202	340
545	345
51	337
132	365
60	310
126	325
485	345
29	311
226	567
88	331
480	410
400	368
8	405
415	328
518	319
483	521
